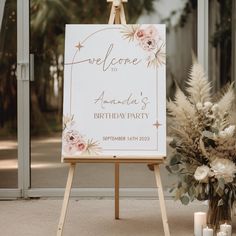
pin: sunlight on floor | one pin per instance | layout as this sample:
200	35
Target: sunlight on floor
13	164
8	145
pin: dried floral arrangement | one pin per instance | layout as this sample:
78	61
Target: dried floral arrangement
204	143
74	143
149	40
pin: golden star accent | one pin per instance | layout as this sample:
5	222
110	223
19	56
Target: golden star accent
157	124
79	46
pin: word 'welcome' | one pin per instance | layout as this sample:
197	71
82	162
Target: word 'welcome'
109	60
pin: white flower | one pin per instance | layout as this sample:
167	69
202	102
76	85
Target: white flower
201	173
199	106
215	108
227	132
222	134
207	105
223	168
230	130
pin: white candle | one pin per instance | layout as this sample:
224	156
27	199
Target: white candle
221	234
199	223
227	229
207	231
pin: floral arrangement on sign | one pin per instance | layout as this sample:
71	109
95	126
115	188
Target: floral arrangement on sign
204	143
149	40
74	143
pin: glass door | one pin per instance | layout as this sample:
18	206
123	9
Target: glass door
222	43
14	98
46	53
8	95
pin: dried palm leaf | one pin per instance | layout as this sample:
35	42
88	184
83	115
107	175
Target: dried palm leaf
159	57
129	31
93	147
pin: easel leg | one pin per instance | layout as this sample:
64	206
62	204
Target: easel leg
66	200
162	200
117	180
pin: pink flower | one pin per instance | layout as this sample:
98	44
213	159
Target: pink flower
73	142
140	34
69	149
149	44
72	137
81	146
151	31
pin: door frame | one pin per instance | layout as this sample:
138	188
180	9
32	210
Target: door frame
23	108
23	95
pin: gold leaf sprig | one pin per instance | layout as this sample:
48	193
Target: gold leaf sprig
129	31
93	147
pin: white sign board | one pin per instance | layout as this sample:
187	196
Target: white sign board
114	91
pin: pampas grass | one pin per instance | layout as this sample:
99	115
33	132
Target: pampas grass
202	131
184	109
198	85
226	101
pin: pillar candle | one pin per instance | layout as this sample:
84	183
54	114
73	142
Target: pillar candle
199	223
226	228
207	232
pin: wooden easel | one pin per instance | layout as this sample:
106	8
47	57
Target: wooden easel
117	16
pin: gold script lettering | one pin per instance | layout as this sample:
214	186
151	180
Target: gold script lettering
130	100
109	60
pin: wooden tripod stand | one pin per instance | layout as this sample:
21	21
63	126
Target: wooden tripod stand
117	16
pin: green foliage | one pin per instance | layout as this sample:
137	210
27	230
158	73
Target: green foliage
189	7
185	200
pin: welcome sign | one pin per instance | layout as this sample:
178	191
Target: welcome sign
114	91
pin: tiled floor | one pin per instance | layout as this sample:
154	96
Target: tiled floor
95	218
